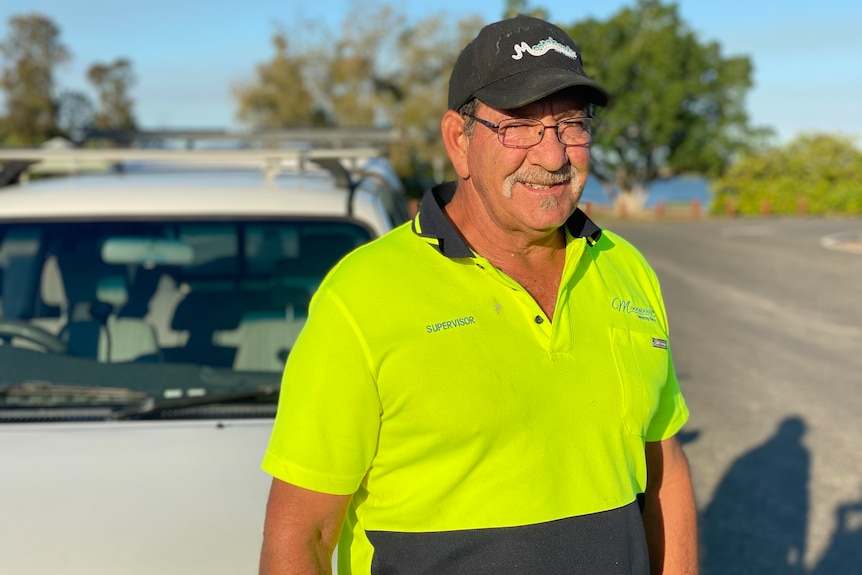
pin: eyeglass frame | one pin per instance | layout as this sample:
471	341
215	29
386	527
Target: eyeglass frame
556	127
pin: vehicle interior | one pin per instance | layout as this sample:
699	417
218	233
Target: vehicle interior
121	303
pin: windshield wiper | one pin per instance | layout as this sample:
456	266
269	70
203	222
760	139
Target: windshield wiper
46	394
153	406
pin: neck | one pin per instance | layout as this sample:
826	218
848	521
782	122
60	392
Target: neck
493	238
533	258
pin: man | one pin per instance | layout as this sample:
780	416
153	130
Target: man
490	389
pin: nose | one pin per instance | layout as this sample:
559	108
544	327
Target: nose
550	153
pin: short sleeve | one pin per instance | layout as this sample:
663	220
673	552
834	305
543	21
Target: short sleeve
672	410
328	420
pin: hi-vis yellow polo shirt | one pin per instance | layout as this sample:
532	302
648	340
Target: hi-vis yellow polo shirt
475	435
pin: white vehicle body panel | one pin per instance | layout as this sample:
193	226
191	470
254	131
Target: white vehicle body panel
177	494
154	497
227	194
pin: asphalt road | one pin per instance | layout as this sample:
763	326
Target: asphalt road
766	332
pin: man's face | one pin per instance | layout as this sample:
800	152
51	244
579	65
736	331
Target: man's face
528	189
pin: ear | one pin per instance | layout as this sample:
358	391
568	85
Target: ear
456	142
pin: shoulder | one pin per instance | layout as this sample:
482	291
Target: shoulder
386	263
620	251
624	269
381	252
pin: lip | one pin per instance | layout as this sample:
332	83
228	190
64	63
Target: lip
552	190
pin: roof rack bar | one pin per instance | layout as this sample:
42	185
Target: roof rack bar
131	155
335	137
337	161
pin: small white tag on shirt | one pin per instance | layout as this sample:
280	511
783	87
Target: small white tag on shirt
659	343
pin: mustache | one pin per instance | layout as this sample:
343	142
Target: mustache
542	177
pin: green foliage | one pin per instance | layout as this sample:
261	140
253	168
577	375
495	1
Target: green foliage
381	71
357	83
677	104
819	173
75	113
35	109
279	98
426	53
113	83
31	53
516	7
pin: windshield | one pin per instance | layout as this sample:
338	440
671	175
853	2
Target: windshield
114	314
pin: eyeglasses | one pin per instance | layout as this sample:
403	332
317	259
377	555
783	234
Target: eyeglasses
526	133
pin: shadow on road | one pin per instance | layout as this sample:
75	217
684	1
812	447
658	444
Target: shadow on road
756	522
844	554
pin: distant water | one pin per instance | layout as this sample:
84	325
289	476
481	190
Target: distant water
682	189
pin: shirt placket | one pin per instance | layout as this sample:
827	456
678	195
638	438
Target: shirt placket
555	336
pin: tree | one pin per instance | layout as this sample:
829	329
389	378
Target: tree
340	83
815	173
381	72
279	98
396	74
516	7
355	82
75	113
32	52
113	83
427	52
677	104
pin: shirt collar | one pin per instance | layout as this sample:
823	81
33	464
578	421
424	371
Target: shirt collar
432	224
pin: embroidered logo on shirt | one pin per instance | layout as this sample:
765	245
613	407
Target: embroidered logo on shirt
450	324
644	312
659	343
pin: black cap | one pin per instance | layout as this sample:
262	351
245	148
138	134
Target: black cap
514	62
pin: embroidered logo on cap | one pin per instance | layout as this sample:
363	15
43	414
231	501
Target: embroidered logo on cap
543	48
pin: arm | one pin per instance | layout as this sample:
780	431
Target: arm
301	530
670	518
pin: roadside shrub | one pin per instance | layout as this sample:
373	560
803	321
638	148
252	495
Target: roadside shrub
813	174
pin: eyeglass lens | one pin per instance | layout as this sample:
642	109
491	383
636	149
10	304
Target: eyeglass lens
523	133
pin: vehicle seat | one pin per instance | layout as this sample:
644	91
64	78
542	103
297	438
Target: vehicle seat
94	292
263	341
202	314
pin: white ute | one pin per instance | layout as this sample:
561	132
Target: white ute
145	315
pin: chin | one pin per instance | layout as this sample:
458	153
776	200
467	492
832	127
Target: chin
565	203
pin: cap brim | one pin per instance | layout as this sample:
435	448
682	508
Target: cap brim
527	87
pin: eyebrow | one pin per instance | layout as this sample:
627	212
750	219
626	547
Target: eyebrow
572	116
579	110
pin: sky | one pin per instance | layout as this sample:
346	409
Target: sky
186	54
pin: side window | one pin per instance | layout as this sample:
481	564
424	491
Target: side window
19	250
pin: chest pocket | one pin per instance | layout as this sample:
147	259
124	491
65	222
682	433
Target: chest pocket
642	363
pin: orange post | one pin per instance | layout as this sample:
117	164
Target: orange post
729	208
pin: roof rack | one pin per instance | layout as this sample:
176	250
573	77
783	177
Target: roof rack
338	161
322	136
337	150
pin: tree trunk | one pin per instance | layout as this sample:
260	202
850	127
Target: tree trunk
631	201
